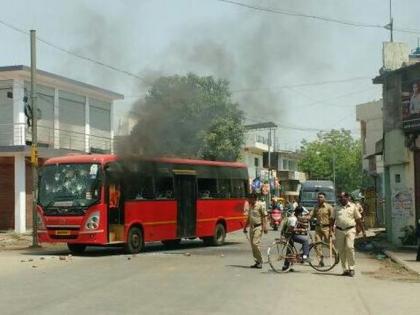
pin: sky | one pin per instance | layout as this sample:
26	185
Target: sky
280	67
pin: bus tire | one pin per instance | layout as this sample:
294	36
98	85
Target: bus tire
135	242
218	237
76	249
171	243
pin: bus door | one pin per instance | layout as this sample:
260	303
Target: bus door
186	195
115	203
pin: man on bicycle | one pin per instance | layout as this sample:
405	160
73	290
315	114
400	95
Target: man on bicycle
296	227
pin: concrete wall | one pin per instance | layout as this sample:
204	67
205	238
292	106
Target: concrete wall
400	200
249	159
394	55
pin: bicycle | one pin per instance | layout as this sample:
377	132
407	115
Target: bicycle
282	254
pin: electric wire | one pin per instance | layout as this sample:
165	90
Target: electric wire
94	61
316	17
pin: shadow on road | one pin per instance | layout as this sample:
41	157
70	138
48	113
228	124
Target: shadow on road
155	247
240	266
327	274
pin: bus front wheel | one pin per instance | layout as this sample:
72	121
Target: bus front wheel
76	249
218	237
135	242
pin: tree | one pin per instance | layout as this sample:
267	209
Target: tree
188	116
337	146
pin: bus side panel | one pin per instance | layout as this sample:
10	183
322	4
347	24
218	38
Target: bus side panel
158	218
235	219
206	216
210	211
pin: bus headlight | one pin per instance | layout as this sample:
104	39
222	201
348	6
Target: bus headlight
93	222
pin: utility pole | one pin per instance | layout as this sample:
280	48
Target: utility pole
34	146
333	161
391	21
269	169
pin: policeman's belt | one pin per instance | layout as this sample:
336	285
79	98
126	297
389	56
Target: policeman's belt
345	229
256	225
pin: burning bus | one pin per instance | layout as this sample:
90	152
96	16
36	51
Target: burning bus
100	200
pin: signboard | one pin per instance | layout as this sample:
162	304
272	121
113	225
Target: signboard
411	106
402	206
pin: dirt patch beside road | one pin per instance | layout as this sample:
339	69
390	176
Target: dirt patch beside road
12	240
390	270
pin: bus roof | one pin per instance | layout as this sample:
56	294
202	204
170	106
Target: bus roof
105	158
317	184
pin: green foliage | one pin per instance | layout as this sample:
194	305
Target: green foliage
189	116
334	147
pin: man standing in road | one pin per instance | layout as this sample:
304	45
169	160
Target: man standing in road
257	221
322	213
346	217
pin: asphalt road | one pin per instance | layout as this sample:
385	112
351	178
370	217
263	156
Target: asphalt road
191	280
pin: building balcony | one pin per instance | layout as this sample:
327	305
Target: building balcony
12	135
256	143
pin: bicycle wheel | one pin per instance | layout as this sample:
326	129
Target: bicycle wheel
280	256
322	257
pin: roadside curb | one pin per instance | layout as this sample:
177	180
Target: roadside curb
399	261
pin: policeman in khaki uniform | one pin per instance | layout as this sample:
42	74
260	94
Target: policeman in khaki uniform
346	216
257	221
322	213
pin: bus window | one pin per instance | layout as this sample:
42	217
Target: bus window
164	188
239	188
207	188
224	188
140	187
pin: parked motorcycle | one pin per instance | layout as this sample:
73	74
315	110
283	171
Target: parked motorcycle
276	213
275	218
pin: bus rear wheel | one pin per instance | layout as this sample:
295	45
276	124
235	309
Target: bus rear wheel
76	249
135	241
218	237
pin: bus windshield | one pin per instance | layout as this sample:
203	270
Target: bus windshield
69	185
313	195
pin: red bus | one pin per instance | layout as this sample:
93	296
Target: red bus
97	200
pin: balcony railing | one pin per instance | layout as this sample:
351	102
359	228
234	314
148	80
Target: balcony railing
19	134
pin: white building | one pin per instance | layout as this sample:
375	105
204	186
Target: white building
370	117
73	117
